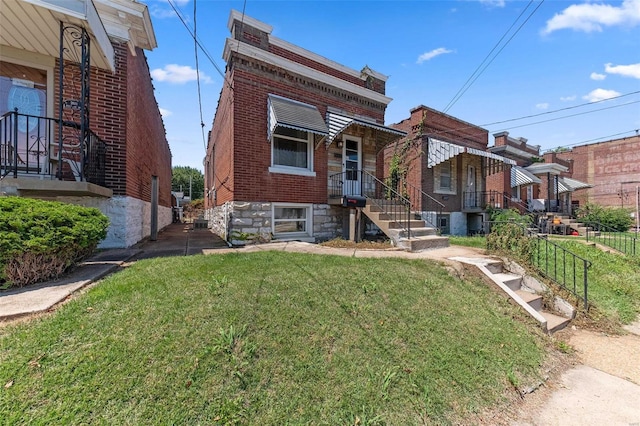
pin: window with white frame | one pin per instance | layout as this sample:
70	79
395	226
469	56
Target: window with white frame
445	177
292	220
291	151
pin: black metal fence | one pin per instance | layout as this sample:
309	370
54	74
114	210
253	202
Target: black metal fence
494	199
551	260
623	242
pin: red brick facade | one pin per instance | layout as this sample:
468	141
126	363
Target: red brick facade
425	123
606	166
125	115
239	151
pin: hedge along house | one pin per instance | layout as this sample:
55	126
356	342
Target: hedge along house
80	122
293	132
443	166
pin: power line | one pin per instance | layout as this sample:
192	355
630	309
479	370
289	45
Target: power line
200	45
561	109
473	79
572	115
195	46
585	142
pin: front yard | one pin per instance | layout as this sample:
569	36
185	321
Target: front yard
270	338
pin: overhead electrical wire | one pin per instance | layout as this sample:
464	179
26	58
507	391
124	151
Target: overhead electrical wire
198	42
475	75
561	109
471	126
572	115
195	46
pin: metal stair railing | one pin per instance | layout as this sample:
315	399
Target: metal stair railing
390	201
620	241
562	266
430	208
387	199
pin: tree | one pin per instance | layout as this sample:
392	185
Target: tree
181	175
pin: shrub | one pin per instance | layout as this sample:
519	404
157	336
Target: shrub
41	239
616	218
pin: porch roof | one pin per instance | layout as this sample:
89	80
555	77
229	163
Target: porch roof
338	123
566	184
544	168
440	151
34	26
522	177
294	115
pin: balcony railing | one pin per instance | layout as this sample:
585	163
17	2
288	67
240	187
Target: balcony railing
30	146
494	199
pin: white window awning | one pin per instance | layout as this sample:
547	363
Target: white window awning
440	151
566	184
293	115
338	123
522	177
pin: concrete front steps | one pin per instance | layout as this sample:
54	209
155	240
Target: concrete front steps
526	292
422	237
571	223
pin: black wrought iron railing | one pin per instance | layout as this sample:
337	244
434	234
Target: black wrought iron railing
494	199
31	146
360	182
623	242
550	259
429	209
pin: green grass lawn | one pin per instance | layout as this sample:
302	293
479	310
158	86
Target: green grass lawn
478	241
269	338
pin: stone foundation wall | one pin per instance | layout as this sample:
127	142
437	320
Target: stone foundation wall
244	222
130	218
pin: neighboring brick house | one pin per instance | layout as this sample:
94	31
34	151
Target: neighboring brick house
446	166
291	129
111	151
535	182
612	167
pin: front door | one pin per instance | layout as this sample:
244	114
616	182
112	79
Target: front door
352	155
471	200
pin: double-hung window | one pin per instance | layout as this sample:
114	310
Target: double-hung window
446	178
292	151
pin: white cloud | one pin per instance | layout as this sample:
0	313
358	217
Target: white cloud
179	74
493	3
160	9
165	112
430	55
568	98
590	17
600	95
596	76
632	70
542	105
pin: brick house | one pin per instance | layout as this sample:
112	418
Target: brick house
613	167
535	183
293	133
445	169
79	120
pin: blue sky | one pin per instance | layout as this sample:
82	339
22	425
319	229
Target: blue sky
532	59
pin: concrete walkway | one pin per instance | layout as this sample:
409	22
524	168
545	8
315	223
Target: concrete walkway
584	394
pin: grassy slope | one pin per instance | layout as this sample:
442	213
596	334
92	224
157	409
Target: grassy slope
614	281
268	338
